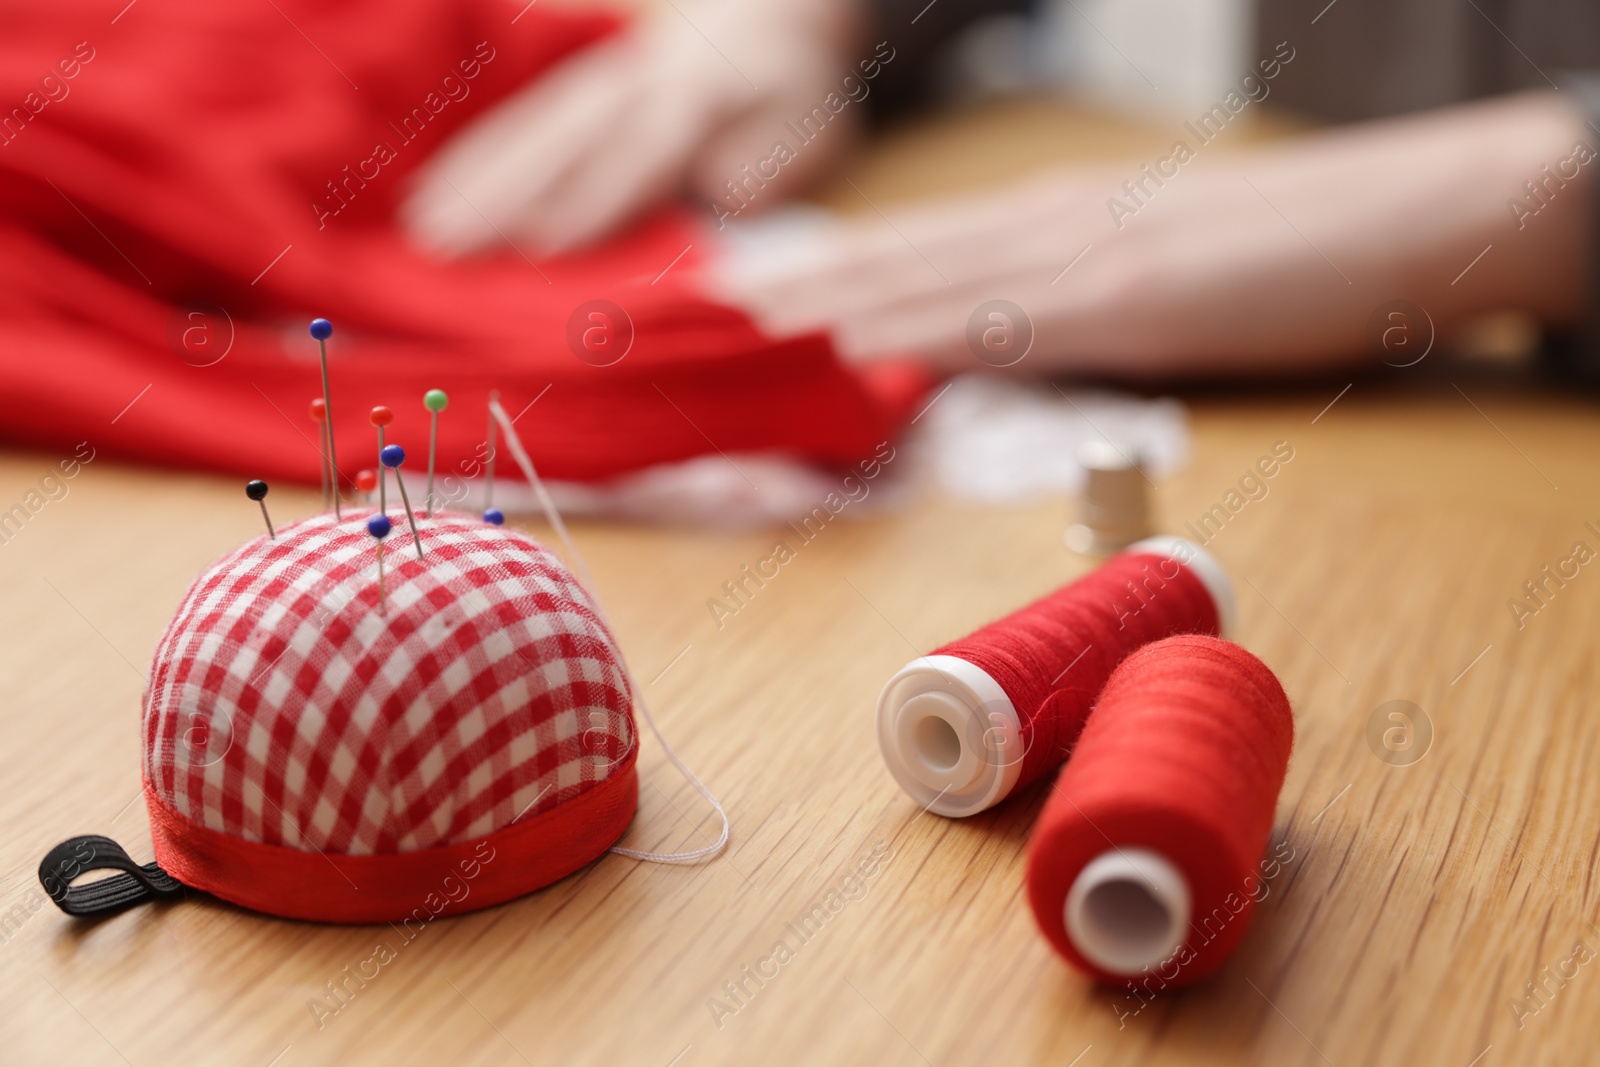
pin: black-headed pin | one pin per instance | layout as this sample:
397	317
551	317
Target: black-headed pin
257	491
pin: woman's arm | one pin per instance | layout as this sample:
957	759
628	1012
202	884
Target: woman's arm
1239	261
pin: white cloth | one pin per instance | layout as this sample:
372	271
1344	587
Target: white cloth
981	437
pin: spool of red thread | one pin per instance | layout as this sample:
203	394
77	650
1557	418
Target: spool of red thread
971	723
1146	862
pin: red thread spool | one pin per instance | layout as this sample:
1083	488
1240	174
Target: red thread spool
966	726
1147	857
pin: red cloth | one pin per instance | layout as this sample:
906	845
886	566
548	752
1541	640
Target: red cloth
186	152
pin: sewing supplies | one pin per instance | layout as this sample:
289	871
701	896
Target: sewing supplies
365	740
435	401
488	478
322	329
1114	507
392	456
257	491
323	746
976	720
1146	862
379	527
380	417
319	415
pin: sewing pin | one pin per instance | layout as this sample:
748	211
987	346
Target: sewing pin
435	401
257	491
322	329
379	526
494	517
319	415
488	488
392	456
367	481
380	417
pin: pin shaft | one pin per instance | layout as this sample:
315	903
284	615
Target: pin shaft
488	491
327	406
332	479
433	448
322	466
383	478
412	519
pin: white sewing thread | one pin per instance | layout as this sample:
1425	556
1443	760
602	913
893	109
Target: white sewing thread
514	443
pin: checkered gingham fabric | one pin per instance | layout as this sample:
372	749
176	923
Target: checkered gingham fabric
284	708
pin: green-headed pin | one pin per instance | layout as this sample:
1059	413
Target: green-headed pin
435	401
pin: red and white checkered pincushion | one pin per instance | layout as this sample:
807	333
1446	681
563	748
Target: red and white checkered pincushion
285	710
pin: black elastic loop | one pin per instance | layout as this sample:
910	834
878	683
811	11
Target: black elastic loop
78	855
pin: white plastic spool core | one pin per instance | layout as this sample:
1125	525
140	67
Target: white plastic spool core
949	735
1128	909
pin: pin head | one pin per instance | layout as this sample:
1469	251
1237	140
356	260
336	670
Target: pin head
392	456
379	526
256	490
380	416
366	481
435	400
319	410
494	517
321	329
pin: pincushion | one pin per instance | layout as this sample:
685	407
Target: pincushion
310	753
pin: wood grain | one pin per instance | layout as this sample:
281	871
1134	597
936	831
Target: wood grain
1379	567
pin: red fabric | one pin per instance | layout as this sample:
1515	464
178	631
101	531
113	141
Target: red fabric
409	887
1184	755
1053	657
186	153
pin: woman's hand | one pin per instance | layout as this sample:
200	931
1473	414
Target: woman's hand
1275	258
677	103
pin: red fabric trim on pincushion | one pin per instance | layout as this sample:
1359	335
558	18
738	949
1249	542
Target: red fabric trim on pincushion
424	884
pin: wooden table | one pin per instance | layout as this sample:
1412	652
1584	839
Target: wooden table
1420	898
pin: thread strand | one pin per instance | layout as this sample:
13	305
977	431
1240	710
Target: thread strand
553	516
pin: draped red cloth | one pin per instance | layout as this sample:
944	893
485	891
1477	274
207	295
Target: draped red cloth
182	180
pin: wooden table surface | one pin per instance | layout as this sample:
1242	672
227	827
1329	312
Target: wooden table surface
1419	900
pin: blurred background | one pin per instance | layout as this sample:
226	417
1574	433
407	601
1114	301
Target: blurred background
773	230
